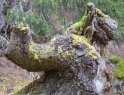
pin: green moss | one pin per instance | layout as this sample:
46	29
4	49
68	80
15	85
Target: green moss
33	51
67	53
99	12
22	27
92	52
85	39
20	24
76	26
33	88
49	50
119	72
62	53
114	59
59	49
22	91
52	41
77	39
15	93
40	52
71	30
84	18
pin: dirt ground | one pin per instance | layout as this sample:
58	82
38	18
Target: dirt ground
119	51
114	49
12	77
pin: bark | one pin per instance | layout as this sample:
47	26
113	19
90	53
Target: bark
70	63
68	60
60	52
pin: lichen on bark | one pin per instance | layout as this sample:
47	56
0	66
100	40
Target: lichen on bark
91	50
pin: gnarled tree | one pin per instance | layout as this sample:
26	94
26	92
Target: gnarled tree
72	66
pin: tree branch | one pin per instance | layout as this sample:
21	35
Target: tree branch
60	52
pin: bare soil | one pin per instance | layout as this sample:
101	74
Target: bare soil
12	77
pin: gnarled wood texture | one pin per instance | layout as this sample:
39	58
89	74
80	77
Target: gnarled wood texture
69	61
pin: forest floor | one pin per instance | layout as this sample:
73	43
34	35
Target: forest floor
13	78
119	51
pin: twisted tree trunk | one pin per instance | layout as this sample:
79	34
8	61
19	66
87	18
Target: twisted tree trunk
72	66
60	52
69	61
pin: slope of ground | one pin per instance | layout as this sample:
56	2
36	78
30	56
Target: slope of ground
117	86
12	78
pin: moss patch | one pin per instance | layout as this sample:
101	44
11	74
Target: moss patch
33	51
52	41
59	49
77	39
40	52
119	72
99	12
93	54
67	53
20	24
22	27
114	59
48	50
74	28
